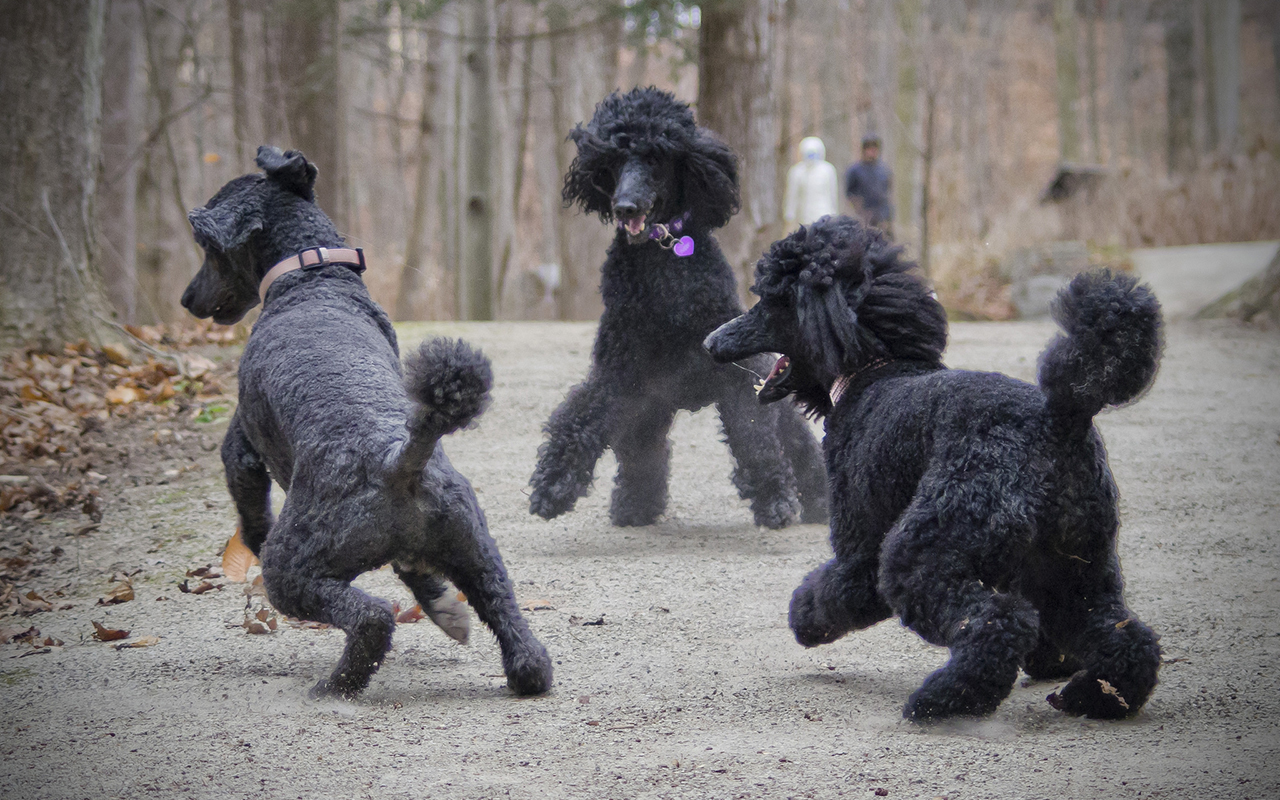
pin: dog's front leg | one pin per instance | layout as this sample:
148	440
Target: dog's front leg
763	476
249	485
576	437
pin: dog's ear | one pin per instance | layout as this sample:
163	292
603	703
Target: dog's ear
829	328
225	226
590	182
290	170
711	180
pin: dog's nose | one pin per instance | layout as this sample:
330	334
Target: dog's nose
626	208
188	297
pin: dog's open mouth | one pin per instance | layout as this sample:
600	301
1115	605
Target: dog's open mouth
773	387
634	226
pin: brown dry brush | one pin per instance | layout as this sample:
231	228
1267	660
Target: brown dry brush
49	401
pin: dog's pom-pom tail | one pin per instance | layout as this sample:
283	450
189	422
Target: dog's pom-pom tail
1110	347
450	381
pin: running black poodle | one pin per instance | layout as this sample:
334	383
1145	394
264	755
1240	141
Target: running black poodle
977	508
643	162
325	411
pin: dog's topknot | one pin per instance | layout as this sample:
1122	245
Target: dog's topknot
855	295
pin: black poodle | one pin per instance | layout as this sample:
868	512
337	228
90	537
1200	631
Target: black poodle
325	411
977	508
643	162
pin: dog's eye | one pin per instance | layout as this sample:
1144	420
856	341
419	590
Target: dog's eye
622	141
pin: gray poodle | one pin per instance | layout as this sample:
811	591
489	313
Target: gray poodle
325	411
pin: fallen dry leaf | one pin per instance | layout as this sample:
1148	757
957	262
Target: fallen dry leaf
123	395
145	641
237	558
117	355
538	605
121	593
33	603
204	572
205	586
410	615
104	634
17	633
1107	688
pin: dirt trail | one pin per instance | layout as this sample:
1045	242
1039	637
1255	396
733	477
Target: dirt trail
693	686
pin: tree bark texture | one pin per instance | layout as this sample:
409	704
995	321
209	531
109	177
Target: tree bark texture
475	283
304	46
117	201
736	100
1178	45
1064	37
50	88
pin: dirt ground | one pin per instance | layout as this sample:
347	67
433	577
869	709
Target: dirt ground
692	686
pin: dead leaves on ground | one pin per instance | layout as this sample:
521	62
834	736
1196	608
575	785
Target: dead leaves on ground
237	558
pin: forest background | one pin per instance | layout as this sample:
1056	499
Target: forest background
439	129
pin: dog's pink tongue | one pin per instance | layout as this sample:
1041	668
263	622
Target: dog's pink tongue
634	226
779	367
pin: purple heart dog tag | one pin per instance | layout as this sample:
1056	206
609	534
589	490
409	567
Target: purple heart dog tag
684	247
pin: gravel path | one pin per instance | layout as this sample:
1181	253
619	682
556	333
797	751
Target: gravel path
692	686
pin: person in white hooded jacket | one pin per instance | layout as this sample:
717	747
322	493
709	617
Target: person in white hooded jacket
812	185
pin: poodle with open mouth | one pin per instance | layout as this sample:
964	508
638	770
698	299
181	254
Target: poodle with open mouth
977	508
643	162
325	411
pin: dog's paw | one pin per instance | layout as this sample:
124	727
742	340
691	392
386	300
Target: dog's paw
814	511
634	517
805	619
1088	695
776	513
942	698
1048	664
530	672
450	615
550	504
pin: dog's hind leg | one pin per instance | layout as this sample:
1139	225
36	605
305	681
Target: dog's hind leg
805	454
644	455
1118	655
929	579
761	473
1048	662
441	607
466	553
249	485
577	433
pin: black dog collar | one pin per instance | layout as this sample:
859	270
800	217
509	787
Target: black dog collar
312	258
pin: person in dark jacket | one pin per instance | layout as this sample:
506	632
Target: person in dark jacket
869	186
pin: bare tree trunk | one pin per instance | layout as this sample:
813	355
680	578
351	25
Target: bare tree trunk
239	82
736	100
785	58
411	274
906	100
1064	36
305	55
926	182
51	63
475	284
1091	67
1222	83
1178	44
117	201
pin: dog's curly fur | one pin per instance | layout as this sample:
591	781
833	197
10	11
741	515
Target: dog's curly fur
642	159
325	411
977	508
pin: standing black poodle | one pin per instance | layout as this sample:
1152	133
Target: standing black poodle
977	508
643	161
325	411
